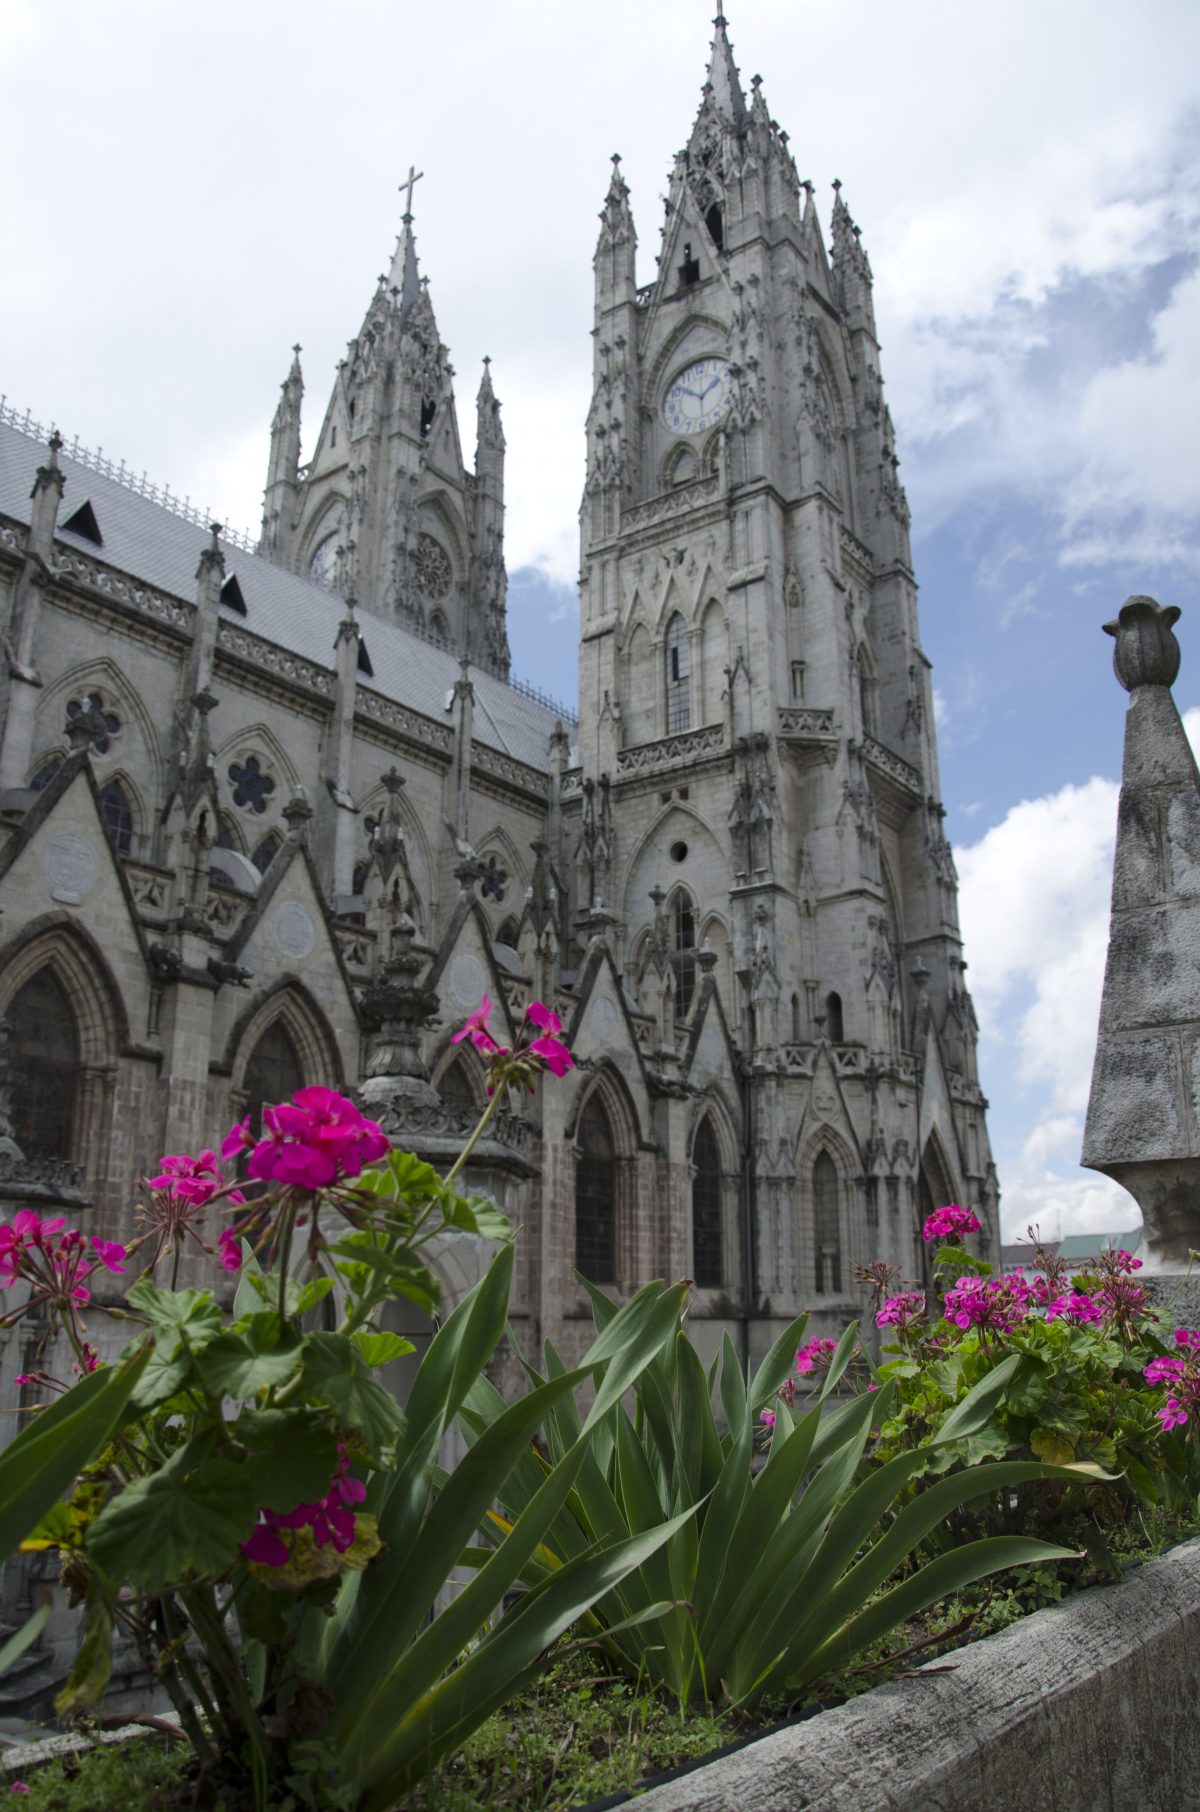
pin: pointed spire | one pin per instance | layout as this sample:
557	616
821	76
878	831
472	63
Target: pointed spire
724	85
851	267
489	432
404	278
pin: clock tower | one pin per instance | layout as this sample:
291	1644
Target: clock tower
756	707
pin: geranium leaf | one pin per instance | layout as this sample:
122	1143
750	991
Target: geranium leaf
335	1371
188	1518
292	1456
379	1347
192	1312
229	1366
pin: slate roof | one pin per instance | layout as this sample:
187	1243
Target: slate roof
153	543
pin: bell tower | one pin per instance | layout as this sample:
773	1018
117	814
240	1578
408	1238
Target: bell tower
386	512
756	703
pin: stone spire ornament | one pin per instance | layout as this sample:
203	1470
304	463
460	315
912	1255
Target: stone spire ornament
1143	1118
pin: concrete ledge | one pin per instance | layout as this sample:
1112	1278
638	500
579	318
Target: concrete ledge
1089	1707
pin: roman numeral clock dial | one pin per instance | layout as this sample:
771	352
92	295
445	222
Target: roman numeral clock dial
698	396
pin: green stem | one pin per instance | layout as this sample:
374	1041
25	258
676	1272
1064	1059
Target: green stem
285	1251
473	1141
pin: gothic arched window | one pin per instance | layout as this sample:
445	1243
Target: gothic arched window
118	817
834	1022
273	1073
596	1197
866	696
456	1091
683	951
44	1056
679	695
708	1254
46	773
827	1228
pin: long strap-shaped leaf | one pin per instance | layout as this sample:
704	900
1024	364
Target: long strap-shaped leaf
938	1579
42	1462
431	1728
849	1590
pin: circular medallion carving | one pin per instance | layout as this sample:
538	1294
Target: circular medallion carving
433	567
467	980
292	930
71	865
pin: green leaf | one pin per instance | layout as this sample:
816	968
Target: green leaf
379	1347
92	1667
169	1364
335	1371
188	1518
25	1637
477	1214
42	1462
404	1178
230	1367
778	1364
969	1416
192	1313
293	1455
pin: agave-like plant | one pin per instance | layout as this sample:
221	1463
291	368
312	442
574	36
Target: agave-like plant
781	1574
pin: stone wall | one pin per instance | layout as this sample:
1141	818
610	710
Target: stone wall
1088	1707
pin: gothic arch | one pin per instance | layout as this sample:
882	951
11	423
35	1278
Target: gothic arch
329	520
825	1246
137	810
674	603
604	1139
609	1084
104	675
498	840
647	864
938	1170
463	1060
243	741
681	466
672	347
641	688
84	973
713	1197
77	964
437	509
306	1025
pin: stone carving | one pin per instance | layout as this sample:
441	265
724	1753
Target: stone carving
72	866
671	751
292	930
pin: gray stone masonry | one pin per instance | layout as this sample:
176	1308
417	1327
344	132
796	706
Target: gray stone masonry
1143	1120
1088	1707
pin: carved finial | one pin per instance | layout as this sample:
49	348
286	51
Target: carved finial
1146	652
56	444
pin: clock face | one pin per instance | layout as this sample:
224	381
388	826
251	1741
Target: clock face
323	564
698	396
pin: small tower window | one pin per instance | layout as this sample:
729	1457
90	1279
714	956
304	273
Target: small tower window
679	698
827	1224
708	1266
689	270
834	1023
683	955
714	220
428	411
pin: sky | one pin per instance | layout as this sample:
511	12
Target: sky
193	187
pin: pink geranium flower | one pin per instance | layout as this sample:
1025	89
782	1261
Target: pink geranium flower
313	1140
331	1520
554	1055
950	1222
476	1029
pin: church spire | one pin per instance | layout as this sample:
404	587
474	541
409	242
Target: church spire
724	85
283	465
851	268
404	278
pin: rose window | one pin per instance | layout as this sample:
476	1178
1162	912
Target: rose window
433	567
102	724
251	787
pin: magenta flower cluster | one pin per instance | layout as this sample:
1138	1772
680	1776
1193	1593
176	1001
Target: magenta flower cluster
995	1304
54	1263
1179	1373
309	1142
899	1311
331	1520
548	1049
815	1355
950	1222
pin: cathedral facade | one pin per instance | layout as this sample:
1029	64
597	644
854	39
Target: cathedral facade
274	812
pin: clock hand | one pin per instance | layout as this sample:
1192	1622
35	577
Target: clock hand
709	387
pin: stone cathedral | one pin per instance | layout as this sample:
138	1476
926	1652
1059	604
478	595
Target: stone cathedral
274	812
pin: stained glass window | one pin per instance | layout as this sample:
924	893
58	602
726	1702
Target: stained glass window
827	1224
596	1197
44	1055
708	1256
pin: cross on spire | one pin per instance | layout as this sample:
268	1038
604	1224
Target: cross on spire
406	189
